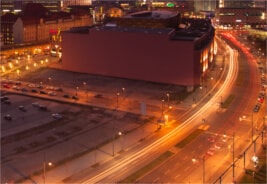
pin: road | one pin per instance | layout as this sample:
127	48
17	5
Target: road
180	168
164	143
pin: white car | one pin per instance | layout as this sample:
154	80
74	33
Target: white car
35	104
51	93
57	116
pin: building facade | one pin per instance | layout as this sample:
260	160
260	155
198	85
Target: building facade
240	17
35	24
162	55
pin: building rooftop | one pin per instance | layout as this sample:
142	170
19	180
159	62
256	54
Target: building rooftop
152	14
134	29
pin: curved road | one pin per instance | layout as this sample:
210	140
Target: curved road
145	153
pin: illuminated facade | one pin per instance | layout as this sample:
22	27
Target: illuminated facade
36	23
162	55
255	17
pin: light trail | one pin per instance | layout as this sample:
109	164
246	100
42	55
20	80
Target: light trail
229	81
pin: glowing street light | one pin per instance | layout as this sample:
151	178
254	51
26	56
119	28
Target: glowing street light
44	168
76	91
120	134
49	78
194	160
86	90
162	107
118	94
233	156
168	97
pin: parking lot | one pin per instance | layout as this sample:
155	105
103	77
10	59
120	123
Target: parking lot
91	121
34	131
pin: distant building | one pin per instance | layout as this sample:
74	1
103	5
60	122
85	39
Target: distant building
36	24
165	53
241	17
16	6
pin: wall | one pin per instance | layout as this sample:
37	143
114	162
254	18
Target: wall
141	56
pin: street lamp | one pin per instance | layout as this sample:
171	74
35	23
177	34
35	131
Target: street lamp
233	156
76	91
168	96
44	168
194	160
49	78
252	125
162	107
118	94
85	86
120	134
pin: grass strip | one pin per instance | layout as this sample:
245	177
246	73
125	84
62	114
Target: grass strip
133	177
189	138
228	101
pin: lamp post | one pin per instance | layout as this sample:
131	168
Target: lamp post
168	97
120	134
162	107
233	154
86	90
76	91
44	169
194	160
49	78
252	125
113	139
118	94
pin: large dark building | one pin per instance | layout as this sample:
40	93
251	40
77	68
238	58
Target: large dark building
171	54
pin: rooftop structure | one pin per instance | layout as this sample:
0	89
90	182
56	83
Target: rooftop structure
150	19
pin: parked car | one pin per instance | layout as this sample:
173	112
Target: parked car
8	117
51	93
57	116
5	85
34	91
211	151
22	108
43	92
58	89
75	97
35	104
7	101
66	96
3	98
24	90
43	107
